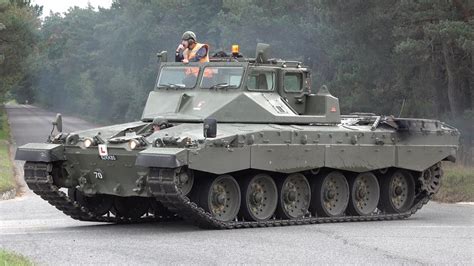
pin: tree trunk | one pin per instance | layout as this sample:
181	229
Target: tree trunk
438	81
468	73
455	92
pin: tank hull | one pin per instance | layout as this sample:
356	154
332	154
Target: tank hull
152	174
272	148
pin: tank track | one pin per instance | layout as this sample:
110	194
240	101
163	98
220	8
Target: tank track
162	183
163	186
39	178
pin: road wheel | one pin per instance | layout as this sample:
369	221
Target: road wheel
331	194
365	194
260	197
99	204
185	180
295	196
397	191
221	197
131	207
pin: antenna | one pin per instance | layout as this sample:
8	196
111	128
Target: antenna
403	106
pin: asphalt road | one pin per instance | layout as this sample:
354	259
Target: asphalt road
32	124
438	234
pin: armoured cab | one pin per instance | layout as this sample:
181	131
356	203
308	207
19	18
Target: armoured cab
236	89
293	83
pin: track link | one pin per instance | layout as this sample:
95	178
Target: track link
39	178
163	186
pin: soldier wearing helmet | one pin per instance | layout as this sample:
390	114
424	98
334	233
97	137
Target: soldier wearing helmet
189	50
159	123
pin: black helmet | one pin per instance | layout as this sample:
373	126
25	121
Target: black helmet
189	35
161	122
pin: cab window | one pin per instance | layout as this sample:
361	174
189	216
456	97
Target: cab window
261	81
178	77
293	82
222	77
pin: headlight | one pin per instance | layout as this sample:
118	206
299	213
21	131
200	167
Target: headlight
133	144
87	142
72	139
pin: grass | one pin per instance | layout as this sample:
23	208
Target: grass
6	168
9	258
457	184
4	127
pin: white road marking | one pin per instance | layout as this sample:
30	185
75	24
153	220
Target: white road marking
465	203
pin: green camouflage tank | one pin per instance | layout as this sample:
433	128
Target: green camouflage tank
242	142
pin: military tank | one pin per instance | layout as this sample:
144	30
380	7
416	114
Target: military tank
242	142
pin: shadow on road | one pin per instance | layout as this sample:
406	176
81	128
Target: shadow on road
155	228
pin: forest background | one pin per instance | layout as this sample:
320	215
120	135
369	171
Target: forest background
378	56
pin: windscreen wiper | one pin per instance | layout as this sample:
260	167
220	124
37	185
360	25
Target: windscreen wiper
172	86
221	86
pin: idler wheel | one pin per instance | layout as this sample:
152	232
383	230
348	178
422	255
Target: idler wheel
99	204
430	179
260	197
365	194
331	194
295	196
131	207
185	181
397	191
221	197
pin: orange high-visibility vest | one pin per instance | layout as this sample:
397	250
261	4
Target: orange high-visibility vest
190	54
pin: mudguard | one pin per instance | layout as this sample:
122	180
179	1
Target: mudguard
162	157
40	152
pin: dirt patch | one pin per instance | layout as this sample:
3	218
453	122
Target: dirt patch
10	194
21	186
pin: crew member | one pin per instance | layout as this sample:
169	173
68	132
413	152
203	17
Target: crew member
159	124
189	50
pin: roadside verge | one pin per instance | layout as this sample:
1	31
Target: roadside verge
7	180
11	258
457	184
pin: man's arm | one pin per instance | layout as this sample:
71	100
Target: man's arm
179	56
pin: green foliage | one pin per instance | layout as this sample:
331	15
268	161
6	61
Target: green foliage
375	55
6	167
4	127
6	173
18	34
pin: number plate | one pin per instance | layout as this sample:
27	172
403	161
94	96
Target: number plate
109	158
